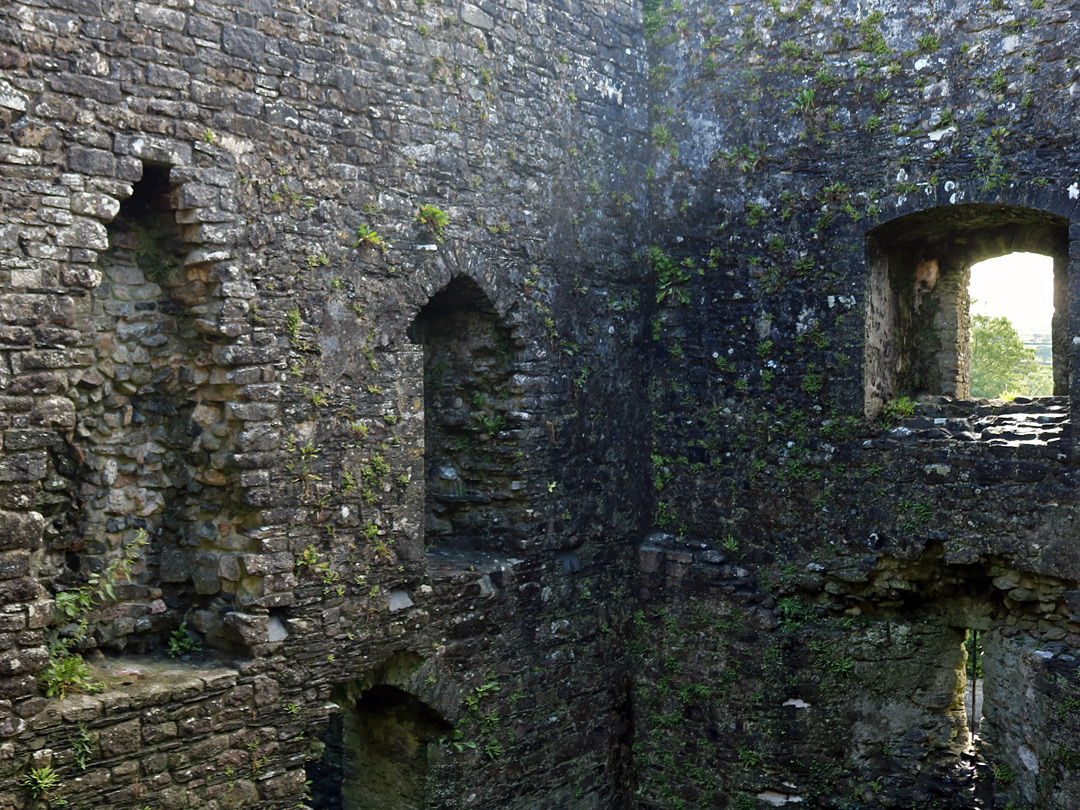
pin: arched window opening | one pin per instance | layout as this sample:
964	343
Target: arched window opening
1012	307
475	500
918	303
138	439
377	753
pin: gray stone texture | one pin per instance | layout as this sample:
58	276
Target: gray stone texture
631	523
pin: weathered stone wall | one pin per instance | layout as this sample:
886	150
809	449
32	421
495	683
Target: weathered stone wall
787	138
768	700
243	386
689	563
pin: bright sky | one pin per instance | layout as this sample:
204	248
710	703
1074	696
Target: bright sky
1019	286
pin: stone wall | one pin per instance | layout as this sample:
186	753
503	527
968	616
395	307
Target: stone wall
215	246
522	381
850	131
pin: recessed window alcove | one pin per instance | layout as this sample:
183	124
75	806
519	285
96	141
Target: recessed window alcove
475	498
142	463
918	319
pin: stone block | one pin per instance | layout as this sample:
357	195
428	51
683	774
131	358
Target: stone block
243	43
243	794
23	466
229	567
210	748
258	438
258	496
253	478
12	99
32	309
158	733
154	15
54	412
160	76
20	663
250	628
36	384
155	148
198	195
255	565
211	233
239	289
120	739
14	564
81	709
91	161
471	15
1072	599
282	787
99	206
175	565
17	686
81	276
244	355
266	690
262	392
206	581
16	335
204	29
19	156
12	622
251	411
649	559
20	530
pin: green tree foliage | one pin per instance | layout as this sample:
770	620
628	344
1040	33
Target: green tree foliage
1001	366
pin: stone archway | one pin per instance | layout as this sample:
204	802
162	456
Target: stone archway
377	752
475	500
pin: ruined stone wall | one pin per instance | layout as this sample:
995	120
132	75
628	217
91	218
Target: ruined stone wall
841	541
520	384
219	221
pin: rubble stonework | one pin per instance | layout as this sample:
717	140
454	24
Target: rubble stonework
509	396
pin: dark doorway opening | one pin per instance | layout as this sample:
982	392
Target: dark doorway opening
377	753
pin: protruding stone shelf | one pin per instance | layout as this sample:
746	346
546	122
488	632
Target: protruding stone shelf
451	563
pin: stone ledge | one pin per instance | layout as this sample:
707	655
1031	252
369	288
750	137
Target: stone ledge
132	684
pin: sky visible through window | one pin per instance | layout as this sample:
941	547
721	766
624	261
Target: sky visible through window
1012	362
1019	286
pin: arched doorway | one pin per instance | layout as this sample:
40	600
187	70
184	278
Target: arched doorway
377	752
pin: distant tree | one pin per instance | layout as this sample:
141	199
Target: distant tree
1001	366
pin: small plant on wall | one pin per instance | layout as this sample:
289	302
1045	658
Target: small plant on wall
897	409
671	277
181	642
40	782
434	218
66	670
369	237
